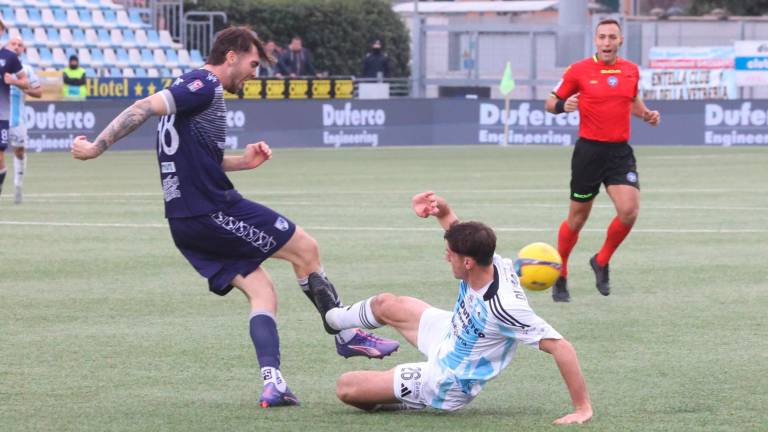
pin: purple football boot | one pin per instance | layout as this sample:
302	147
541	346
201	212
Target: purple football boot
367	345
272	397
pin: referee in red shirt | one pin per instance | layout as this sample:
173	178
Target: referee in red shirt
604	88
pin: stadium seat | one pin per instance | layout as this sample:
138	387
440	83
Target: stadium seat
166	41
86	19
60	17
147	59
110	18
54	37
129	39
128	73
123	21
50	19
91	38
197	59
46	58
103	39
140	73
81	38
98	19
134	56
141	37
13	32
183	58
84	56
122	58
60	60
136	20
176	72
9	17
33	17
114	72
153	73
116	36
21	17
28	36
97	58
68	40
109	4
41	38
33	56
110	58
165	73
158	55
171	58
153	39
73	19
91	72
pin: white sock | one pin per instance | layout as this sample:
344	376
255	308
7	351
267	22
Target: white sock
272	375
19	166
346	335
350	317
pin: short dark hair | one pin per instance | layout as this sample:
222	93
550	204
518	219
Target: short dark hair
238	39
473	239
608	21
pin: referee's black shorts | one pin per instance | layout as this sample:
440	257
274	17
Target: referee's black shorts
596	162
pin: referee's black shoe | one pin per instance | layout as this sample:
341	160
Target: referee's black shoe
602	281
560	290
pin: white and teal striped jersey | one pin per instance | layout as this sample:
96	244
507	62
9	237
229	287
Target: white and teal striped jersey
486	328
17	97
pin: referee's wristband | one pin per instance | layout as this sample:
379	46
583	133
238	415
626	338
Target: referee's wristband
560	106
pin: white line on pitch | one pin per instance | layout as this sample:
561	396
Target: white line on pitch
394	229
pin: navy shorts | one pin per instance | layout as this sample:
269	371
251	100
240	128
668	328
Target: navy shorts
230	242
4	133
596	162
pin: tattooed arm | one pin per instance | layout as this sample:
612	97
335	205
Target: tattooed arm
125	123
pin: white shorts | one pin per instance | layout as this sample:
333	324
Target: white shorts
17	136
417	384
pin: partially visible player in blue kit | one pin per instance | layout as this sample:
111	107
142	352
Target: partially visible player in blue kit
224	236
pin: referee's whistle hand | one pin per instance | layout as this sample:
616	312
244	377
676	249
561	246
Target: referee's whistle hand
572	103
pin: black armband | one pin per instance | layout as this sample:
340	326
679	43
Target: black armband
559	106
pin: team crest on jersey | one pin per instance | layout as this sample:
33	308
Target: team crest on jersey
282	224
178	81
195	85
613	81
632	177
2	62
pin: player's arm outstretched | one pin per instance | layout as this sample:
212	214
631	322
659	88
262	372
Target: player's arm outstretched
126	122
428	204
640	110
254	155
565	357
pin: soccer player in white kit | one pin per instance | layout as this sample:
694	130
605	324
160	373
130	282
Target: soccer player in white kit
17	134
465	348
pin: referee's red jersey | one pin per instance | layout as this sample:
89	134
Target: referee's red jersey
606	93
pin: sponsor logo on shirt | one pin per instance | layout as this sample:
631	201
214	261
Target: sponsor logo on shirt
195	85
167	167
171	188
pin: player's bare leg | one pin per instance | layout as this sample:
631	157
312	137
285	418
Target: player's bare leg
19	168
568	235
626	199
3	170
367	390
303	253
260	291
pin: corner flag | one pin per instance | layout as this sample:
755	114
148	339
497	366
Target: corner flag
507	83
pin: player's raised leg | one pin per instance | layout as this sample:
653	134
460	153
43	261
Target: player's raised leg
626	199
303	253
399	312
259	290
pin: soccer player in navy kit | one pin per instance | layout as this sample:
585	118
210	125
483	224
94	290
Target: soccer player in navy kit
11	73
224	236
604	88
